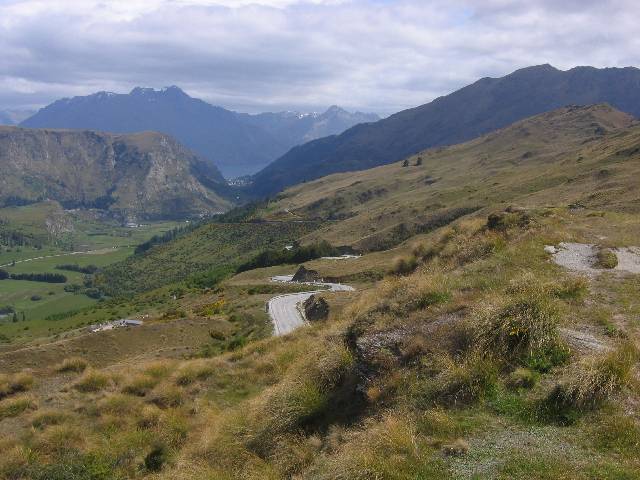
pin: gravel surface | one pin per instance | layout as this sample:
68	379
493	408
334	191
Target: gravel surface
283	309
581	257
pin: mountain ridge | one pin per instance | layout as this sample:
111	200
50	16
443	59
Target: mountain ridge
237	143
474	110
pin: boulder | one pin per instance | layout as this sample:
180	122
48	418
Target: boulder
303	275
315	308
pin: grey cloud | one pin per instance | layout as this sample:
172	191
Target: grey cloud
366	54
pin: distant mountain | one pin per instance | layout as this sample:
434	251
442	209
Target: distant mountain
295	128
482	107
239	144
145	175
14	117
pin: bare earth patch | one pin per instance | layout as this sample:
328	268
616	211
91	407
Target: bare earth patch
582	257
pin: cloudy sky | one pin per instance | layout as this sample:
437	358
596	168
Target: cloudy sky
259	55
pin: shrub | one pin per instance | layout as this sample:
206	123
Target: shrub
35	298
595	380
91	381
72	364
606	258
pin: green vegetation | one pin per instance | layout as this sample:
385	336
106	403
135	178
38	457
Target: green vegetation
295	255
606	259
202	252
475	356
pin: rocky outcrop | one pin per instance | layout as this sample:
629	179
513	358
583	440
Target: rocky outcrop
303	275
145	175
315	309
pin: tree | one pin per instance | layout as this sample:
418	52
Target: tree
3	274
405	163
419	161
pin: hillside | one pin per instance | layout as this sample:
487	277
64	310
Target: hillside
239	144
482	107
533	160
142	176
488	345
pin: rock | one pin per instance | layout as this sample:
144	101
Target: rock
551	249
315	308
303	275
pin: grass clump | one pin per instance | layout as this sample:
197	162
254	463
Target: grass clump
462	382
167	396
47	418
616	432
17	383
91	381
606	259
595	380
140	385
72	364
523	330
12	407
193	372
404	265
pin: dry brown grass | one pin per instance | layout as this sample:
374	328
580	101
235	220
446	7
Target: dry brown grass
16	383
15	406
596	379
72	364
92	381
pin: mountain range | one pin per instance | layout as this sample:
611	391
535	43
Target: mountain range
482	107
237	143
14	117
145	175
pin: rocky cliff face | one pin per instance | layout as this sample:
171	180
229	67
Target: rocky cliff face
146	175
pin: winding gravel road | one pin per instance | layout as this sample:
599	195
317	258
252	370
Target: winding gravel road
284	311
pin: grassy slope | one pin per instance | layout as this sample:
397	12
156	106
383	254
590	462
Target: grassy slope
109	243
210	246
532	162
466	368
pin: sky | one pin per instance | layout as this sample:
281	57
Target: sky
268	55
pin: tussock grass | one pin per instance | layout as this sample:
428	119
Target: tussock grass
389	448
17	383
404	265
119	405
167	396
61	440
606	258
193	371
616	432
46	418
72	364
459	381
140	385
92	381
15	406
595	380
522	328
